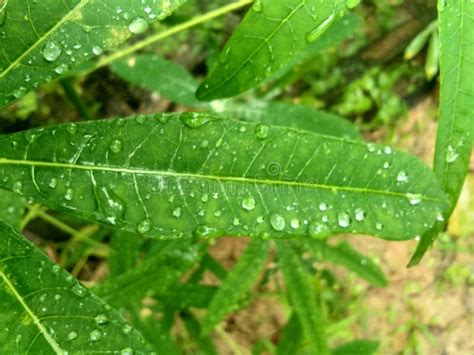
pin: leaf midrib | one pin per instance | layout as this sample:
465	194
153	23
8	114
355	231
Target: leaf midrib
250	57
41	39
54	345
132	171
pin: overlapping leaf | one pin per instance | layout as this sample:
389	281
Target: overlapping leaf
189	174
455	128
45	310
41	40
269	37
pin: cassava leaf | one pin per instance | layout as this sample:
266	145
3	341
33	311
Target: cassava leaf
237	283
45	310
357	347
41	40
183	296
343	254
302	294
301	117
184	175
154	73
12	208
269	37
455	128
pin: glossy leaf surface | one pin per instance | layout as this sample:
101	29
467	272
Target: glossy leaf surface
12	208
197	174
41	40
45	310
303	297
454	138
270	36
237	283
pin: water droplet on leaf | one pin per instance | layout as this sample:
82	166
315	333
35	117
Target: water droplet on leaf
51	51
277	222
138	25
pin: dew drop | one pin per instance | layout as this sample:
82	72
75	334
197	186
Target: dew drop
61	69
319	231
277	222
177	212
79	290
97	50
378	226
72	335
248	203
295	223
414	199
261	131
95	335
20	92
323	206
359	215
126	328
343	220
116	146
53	183
451	155
402	176
69	194
71	128
194	120
51	52
138	25
144	226
318	31
127	351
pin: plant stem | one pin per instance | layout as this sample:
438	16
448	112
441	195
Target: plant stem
73	96
30	215
106	60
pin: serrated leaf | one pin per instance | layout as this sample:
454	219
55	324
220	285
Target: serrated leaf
343	254
357	347
455	128
272	33
185	175
302	294
45	310
301	117
41	40
12	208
237	283
154	73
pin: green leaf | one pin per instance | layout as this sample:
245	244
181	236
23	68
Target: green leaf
12	208
291	338
300	288
162	268
154	73
193	327
186	296
417	44
41	40
269	37
301	117
185	175
455	128
237	283
343	254
357	347
45	310
125	251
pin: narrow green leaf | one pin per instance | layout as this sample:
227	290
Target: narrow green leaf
301	117
269	37
125	249
194	329
343	254
291	338
302	294
186	296
216	176
417	44
237	283
455	128
42	40
432	58
357	347
161	269
12	208
154	73
45	310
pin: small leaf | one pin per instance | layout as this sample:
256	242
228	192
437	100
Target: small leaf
185	175
269	37
343	254
237	283
42	40
44	309
302	294
432	58
417	44
154	73
357	347
454	139
12	208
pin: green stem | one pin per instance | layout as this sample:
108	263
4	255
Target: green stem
73	96
30	215
167	33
